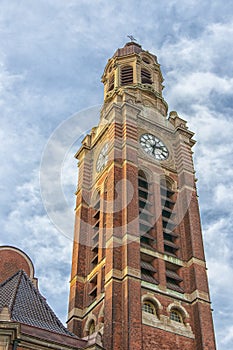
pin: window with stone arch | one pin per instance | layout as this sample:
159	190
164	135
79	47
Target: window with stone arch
175	315
91	327
111	82
126	75
148	307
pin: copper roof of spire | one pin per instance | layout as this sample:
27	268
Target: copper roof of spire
131	48
128	49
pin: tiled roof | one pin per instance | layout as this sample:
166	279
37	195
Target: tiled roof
27	305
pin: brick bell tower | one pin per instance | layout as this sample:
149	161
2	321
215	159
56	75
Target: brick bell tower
138	271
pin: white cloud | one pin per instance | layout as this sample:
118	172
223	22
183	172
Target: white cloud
197	86
227	335
224	196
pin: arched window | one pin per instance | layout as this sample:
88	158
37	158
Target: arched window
91	328
175	315
145	76
148	307
111	83
126	75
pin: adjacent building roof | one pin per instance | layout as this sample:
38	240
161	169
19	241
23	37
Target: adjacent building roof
26	305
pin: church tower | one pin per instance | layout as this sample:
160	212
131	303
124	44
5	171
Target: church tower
138	270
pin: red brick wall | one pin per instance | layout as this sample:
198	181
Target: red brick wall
11	262
157	339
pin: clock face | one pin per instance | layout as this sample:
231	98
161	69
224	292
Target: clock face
102	158
154	146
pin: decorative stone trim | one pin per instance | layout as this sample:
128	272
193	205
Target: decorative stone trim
5	314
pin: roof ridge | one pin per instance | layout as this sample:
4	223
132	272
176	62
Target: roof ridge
18	275
10	278
27	305
20	272
44	303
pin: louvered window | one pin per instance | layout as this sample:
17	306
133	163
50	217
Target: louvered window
126	75
173	278
145	76
95	233
93	288
168	218
144	214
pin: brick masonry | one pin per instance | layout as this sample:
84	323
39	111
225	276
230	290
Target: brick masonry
111	292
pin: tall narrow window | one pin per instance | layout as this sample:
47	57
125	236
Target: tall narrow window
144	209
168	218
147	239
111	83
93	288
95	233
145	76
126	75
91	328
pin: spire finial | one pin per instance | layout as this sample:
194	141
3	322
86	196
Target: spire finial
131	38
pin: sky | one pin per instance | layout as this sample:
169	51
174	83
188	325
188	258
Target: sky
52	56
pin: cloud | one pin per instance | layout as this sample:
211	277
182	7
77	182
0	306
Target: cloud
28	227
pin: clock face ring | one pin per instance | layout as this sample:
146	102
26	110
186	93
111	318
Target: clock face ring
102	159
153	146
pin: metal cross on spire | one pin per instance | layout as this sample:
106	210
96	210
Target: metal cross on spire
131	38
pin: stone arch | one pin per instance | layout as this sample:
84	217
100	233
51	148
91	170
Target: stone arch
148	173
155	302
146	58
95	196
180	309
89	322
168	182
